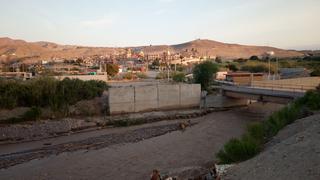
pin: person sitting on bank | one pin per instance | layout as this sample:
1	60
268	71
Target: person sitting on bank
155	175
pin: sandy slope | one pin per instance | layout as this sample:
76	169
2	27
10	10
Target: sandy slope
293	154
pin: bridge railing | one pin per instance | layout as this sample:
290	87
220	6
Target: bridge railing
286	87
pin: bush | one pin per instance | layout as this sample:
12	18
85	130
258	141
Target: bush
48	92
256	130
255	69
232	67
254	58
161	75
179	77
128	76
33	114
257	134
237	150
142	75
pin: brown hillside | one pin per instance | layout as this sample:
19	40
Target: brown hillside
18	49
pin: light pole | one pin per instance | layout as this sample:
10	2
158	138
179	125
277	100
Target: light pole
270	54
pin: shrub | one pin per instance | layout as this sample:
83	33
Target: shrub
256	130
255	58
255	69
315	72
142	75
128	76
162	75
237	150
179	77
257	134
33	114
232	67
48	92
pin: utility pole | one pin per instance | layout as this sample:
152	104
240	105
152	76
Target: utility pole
269	75
106	67
269	55
278	76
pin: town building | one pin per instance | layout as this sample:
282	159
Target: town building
244	78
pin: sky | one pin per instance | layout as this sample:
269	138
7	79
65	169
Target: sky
288	24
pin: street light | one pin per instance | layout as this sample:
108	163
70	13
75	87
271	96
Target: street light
270	54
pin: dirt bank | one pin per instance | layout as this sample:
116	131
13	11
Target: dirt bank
293	154
37	130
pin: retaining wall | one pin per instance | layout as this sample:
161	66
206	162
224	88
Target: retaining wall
84	77
153	97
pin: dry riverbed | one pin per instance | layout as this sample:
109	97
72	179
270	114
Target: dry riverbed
130	152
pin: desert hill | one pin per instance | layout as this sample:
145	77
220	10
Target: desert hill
18	49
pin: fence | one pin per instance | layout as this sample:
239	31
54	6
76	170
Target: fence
153	97
297	84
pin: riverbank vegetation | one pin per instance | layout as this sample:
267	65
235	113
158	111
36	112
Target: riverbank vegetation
257	134
48	92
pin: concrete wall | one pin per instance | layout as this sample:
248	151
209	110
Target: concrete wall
84	77
121	100
146	98
169	96
189	94
153	97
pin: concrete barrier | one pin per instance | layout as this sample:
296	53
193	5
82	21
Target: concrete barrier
153	97
146	98
84	77
189	94
169	96
121	100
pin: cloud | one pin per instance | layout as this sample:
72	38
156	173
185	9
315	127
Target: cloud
101	22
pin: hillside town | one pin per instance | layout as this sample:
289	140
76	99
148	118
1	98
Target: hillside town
134	63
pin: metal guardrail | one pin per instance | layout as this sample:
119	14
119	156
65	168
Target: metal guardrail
287	87
264	91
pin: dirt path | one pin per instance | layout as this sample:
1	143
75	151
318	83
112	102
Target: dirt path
133	156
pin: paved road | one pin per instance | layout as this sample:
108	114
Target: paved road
170	152
261	91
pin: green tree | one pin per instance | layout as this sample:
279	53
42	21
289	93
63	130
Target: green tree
203	73
255	58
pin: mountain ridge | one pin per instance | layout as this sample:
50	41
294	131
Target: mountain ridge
17	49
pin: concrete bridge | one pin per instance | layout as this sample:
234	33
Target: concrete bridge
260	94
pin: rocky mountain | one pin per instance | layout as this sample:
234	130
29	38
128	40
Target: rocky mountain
11	49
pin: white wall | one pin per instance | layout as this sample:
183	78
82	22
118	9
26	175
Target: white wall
153	97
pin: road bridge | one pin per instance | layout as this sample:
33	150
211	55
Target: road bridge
260	94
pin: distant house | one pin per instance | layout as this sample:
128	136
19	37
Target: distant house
221	75
43	62
287	73
244	78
